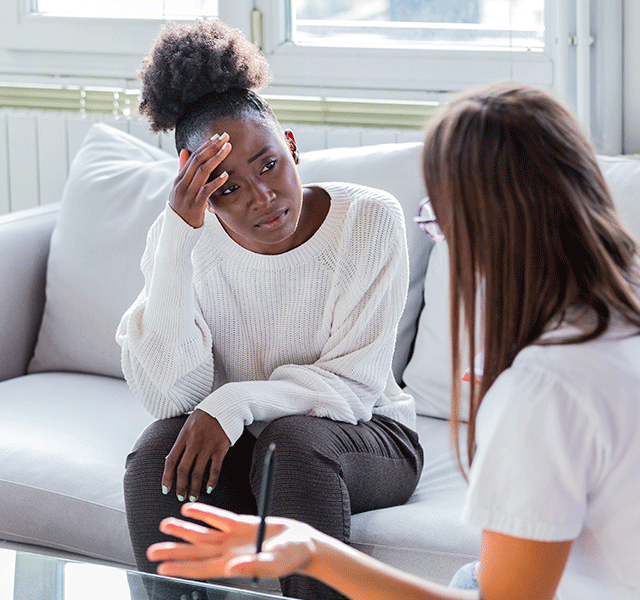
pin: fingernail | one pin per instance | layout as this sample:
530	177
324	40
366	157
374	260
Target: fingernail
213	138
181	498
222	175
192	498
225	135
209	489
165	490
224	147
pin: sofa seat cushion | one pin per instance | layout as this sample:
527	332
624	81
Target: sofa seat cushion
62	462
424	536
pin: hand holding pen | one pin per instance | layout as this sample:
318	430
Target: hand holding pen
225	546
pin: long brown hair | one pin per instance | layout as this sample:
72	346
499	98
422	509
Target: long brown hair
531	228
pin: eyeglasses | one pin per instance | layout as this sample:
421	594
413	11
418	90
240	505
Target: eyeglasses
426	220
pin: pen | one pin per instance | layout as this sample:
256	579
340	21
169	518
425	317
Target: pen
265	497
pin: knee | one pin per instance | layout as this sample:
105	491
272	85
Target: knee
153	445
303	449
294	436
307	482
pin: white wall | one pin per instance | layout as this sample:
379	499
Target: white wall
631	84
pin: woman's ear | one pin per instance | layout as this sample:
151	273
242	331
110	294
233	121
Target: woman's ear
293	147
184	157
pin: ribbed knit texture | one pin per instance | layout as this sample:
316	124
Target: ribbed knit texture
249	337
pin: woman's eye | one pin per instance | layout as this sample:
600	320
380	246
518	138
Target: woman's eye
270	165
228	190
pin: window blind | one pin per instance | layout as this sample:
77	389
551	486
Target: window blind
306	110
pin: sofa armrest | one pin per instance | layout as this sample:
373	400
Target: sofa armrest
24	248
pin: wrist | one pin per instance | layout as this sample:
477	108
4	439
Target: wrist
194	219
325	552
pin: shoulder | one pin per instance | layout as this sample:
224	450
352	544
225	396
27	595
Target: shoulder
550	432
596	381
361	197
365	230
609	358
371	208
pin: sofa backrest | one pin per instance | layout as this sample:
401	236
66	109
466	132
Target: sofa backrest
117	186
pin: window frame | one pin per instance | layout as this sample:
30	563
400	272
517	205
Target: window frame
55	46
407	73
40	47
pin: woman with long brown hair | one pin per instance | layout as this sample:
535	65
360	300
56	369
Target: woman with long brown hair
554	419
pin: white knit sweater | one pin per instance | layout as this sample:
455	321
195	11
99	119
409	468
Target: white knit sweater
250	337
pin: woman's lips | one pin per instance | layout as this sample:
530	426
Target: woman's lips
274	220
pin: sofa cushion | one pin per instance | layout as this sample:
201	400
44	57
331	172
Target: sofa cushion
62	462
428	374
117	186
424	536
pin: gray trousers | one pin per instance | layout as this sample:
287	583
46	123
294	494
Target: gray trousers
326	471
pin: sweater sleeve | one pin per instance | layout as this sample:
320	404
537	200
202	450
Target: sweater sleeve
351	374
166	344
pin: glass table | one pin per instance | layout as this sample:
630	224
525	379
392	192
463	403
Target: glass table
28	576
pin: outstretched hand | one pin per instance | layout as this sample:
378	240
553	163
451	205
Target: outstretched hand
228	547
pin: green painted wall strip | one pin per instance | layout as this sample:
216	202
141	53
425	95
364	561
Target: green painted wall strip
319	111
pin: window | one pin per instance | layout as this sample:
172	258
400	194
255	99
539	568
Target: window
406	49
453	24
392	50
351	48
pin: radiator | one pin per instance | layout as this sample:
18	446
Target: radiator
37	148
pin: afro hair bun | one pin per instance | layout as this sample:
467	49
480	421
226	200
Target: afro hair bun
189	61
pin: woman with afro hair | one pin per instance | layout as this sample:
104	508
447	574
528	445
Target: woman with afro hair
268	315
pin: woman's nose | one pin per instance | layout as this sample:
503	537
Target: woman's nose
261	196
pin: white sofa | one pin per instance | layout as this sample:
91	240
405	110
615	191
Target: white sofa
69	419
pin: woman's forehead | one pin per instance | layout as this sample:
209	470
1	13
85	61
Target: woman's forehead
249	139
245	127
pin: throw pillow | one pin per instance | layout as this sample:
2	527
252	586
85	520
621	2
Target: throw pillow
117	186
428	374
